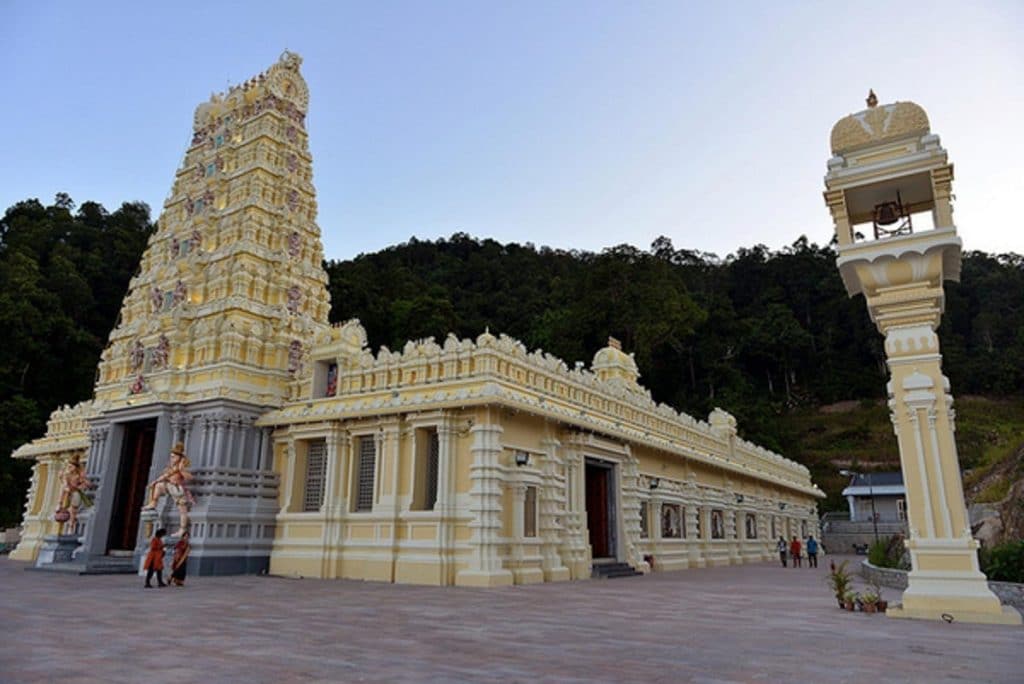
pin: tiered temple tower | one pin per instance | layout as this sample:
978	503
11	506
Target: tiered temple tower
890	175
212	331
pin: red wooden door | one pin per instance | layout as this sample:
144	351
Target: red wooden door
597	510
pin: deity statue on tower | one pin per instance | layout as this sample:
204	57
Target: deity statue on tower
73	486
173	482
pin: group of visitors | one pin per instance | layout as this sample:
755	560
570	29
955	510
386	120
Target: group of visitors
154	562
794	550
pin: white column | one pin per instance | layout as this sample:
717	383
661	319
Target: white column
485	503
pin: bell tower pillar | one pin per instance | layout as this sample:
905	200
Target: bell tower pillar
887	171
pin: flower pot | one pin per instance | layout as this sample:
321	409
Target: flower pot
848	605
870	607
882	605
840	602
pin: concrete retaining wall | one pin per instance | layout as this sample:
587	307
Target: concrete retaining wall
839	536
1009	593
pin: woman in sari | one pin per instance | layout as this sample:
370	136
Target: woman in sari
179	565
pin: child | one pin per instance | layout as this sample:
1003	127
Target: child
783	549
154	562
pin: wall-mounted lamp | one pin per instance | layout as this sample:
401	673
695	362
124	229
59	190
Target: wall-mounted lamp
782	506
739	498
654	482
522	458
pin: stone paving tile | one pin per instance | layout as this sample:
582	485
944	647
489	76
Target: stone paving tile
755	623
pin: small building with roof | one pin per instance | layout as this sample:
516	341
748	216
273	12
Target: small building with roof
881	495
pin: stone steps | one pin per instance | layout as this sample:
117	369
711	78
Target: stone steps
613	570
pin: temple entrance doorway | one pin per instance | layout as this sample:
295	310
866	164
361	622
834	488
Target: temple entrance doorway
600	501
130	486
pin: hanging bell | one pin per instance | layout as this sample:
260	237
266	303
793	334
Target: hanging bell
887	213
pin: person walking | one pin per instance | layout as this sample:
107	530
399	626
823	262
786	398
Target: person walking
154	563
794	551
179	564
812	552
783	550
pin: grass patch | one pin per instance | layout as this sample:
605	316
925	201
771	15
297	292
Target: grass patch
995	492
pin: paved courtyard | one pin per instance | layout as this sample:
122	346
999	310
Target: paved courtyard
758	623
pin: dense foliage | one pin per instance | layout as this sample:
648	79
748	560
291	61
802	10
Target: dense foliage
762	334
889	552
1003	562
757	333
63	274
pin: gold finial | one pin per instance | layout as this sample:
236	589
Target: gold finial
614	343
872	98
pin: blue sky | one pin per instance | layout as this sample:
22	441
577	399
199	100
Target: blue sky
575	125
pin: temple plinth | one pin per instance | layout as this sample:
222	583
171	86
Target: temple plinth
888	171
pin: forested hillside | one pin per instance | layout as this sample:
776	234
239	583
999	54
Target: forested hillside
770	336
63	273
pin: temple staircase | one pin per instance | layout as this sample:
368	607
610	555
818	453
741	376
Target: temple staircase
612	569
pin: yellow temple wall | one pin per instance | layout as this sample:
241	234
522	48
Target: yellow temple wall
394	543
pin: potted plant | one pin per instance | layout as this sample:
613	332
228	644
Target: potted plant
880	603
839	581
850	600
869	602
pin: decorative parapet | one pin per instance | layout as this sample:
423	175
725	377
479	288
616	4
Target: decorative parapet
66	430
500	369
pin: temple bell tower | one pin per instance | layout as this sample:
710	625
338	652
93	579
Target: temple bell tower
888	172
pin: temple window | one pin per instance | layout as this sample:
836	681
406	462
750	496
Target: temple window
717	524
530	512
168	301
645	526
325	379
367	453
426	463
803	529
218	141
671	521
751	526
316	468
211	169
700	524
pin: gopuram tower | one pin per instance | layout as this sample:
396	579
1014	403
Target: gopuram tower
230	291
886	172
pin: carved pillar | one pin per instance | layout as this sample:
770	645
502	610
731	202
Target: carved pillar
552	512
445	505
629	478
733	536
575	550
690	525
486	475
333	504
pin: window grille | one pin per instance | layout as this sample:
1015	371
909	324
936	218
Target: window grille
316	468
644	526
751	526
364	478
433	457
